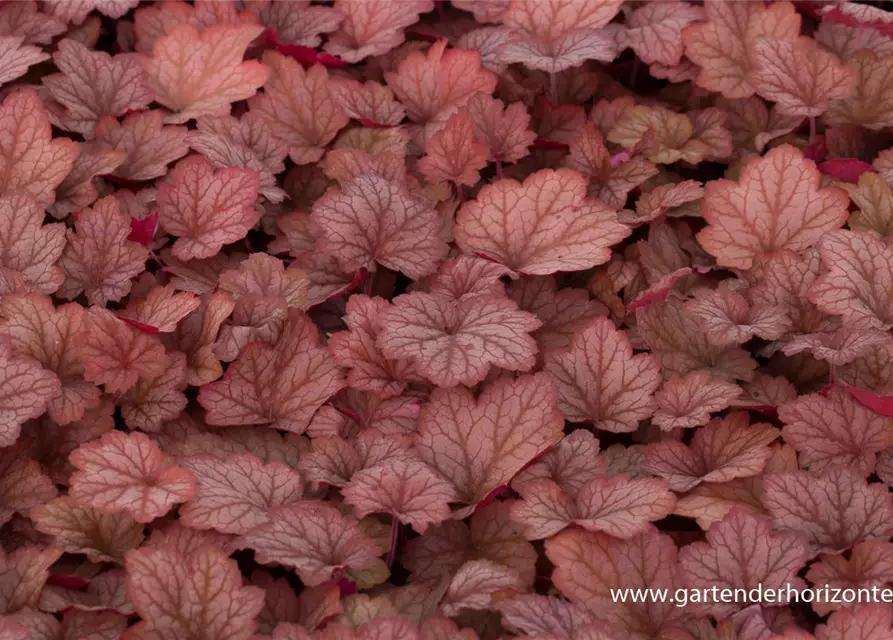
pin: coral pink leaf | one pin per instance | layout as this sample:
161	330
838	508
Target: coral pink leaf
504	130
150	146
299	108
538	615
355	349
453	154
102	537
313	538
93	84
776	204
163	308
98	259
370	103
236	492
857	283
563	312
558	35
835	429
16	57
688	401
29	248
128	472
475	584
572	463
206	209
588	566
799	75
723	46
199	74
837	508
298	23
621	507
600	380
25	390
77	12
561	230
376	220
727	318
191	595
435	83
726	448
655	31
151	402
741	552
408	490
47	334
23	573
481	444
281	385
22	483
32	161
870	621
115	354
373	27
456	342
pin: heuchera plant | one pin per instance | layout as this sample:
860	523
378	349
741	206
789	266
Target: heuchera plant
426	320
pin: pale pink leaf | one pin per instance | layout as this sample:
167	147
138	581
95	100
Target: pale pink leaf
600	380
199	74
724	449
191	595
298	107
560	229
206	209
589	566
102	537
314	539
281	385
688	401
481	444
375	220
93	84
408	490
98	259
128	472
456	342
835	430
776	204
741	552
836	508
31	160
16	57
856	284
235	493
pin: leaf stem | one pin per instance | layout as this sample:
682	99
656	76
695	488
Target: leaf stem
499	168
395	534
812	130
553	88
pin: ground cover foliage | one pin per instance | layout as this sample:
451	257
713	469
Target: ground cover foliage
424	320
